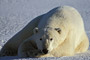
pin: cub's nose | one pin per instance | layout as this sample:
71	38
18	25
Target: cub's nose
45	51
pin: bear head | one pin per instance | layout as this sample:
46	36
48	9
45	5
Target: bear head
47	38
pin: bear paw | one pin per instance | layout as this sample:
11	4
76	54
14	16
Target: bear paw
45	55
30	53
8	52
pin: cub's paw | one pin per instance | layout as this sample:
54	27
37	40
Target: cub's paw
8	52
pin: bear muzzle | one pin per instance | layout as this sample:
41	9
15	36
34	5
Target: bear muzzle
45	51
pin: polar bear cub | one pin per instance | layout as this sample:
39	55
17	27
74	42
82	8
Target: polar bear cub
60	32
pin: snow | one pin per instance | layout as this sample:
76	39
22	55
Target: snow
15	14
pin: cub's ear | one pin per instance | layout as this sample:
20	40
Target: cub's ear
58	30
35	30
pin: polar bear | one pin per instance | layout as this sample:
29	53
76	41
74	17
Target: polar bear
60	32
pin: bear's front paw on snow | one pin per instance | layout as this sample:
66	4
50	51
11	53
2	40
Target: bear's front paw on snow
28	49
30	53
8	52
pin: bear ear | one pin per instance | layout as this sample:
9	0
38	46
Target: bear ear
58	30
35	30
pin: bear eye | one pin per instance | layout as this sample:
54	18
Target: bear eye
40	38
51	39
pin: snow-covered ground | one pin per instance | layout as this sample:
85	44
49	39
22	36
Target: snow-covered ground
15	14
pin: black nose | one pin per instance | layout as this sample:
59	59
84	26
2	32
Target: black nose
45	51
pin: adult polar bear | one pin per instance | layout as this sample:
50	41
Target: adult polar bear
60	32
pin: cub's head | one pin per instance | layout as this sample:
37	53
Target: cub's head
47	39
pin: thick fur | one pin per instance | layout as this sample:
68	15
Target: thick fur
60	31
